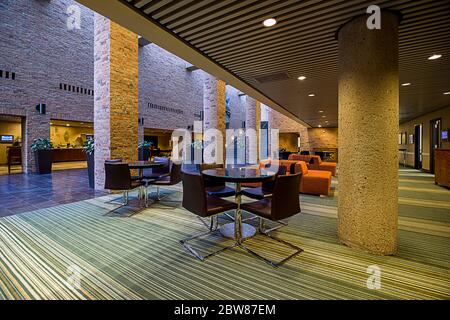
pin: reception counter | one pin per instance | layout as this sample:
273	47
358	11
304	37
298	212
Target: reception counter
68	154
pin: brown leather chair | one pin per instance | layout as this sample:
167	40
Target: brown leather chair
156	173
173	178
214	187
118	178
196	201
14	157
283	204
266	188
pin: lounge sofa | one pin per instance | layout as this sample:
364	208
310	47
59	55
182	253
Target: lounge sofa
315	163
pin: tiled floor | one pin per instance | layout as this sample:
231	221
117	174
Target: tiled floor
28	192
56	166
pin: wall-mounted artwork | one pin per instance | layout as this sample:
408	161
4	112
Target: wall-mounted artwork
411	139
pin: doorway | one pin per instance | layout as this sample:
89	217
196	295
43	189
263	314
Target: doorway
418	146
435	140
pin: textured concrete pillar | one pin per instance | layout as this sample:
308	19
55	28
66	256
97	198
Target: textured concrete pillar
214	107
252	121
34	126
368	128
115	94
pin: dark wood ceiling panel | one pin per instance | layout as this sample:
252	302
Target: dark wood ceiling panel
303	43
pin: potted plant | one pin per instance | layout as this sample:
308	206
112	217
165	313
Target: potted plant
88	148
43	155
144	150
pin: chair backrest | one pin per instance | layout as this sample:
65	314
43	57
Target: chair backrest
303	167
270	184
175	173
117	176
164	169
194	194
285	198
209	183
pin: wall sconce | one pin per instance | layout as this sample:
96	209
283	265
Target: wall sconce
41	108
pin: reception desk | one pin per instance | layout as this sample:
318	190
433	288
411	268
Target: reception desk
442	167
68	154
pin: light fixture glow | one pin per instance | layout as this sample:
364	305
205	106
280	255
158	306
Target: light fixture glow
320	126
406	84
269	22
320	111
301	78
435	56
324	116
446	93
311	95
67	125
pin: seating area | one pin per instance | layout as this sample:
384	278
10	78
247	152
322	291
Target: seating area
224	155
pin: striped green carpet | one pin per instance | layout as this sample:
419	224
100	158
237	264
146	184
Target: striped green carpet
140	257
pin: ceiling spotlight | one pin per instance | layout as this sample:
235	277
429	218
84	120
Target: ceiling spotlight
447	93
324	116
320	126
311	95
67	125
406	84
269	22
301	78
435	56
320	111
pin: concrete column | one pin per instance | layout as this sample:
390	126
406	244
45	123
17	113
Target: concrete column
34	126
115	94
252	121
368	128
214	107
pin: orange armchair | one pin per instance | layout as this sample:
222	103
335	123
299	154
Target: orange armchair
315	182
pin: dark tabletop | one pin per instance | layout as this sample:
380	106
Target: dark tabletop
239	174
145	164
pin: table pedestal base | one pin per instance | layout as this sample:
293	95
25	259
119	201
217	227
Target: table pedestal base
227	230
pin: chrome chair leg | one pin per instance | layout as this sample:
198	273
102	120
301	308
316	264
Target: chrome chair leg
189	248
266	232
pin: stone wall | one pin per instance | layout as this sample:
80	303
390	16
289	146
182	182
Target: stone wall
170	96
323	138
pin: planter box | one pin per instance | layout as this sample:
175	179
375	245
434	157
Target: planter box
90	163
143	154
44	160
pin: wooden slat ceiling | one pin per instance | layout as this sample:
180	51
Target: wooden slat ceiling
230	32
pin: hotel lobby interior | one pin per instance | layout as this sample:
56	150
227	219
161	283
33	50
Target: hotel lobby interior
224	150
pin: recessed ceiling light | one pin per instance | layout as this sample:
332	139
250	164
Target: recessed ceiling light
320	111
301	78
269	22
447	92
311	95
406	84
320	126
324	116
435	56
67	125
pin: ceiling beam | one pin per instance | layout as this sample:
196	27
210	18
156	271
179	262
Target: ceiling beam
122	13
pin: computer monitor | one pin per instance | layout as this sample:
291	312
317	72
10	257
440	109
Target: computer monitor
444	135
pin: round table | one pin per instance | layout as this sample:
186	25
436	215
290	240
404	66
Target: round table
238	175
141	165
